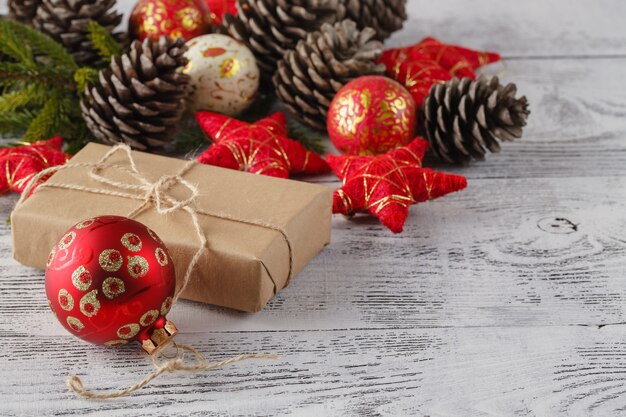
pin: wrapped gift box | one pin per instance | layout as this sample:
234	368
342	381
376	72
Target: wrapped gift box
258	228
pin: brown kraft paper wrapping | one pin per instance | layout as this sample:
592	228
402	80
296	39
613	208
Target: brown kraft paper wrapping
245	264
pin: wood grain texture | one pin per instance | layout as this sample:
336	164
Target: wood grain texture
540	371
504	300
532	29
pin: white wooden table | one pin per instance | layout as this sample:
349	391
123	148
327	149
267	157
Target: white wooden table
507	299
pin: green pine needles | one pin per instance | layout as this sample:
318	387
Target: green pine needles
41	85
102	40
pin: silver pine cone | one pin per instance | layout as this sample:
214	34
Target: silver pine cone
140	97
66	22
309	76
463	119
23	10
384	16
270	28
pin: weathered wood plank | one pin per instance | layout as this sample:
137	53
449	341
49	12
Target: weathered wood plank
544	371
472	311
530	29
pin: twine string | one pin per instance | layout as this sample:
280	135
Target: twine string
151	194
178	364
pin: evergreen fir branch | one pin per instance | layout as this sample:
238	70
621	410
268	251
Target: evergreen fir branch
309	138
25	41
14	100
72	126
190	137
76	135
12	73
11	45
83	77
13	123
46	124
103	41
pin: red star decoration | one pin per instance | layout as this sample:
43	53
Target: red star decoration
458	61
418	76
429	62
258	148
19	164
386	185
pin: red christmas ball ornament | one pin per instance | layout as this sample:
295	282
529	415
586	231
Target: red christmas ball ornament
371	115
219	8
110	280
173	18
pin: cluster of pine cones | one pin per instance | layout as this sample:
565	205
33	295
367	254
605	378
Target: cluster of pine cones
139	97
308	49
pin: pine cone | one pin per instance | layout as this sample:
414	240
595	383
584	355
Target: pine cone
309	76
66	22
272	27
463	119
385	16
140	97
23	10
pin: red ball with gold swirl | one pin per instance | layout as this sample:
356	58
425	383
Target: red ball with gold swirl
173	18
371	115
110	280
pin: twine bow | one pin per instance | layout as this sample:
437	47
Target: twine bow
155	194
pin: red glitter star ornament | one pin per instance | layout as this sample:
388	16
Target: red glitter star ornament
418	77
258	148
387	185
458	61
19	164
420	66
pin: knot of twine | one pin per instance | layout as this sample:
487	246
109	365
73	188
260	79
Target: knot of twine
155	194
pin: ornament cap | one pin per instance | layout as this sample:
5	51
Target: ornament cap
158	337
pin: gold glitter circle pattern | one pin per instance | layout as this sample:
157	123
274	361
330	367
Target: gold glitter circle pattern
137	266
161	256
81	278
149	317
112	287
75	324
115	342
66	301
131	242
128	331
84	223
167	304
110	260
89	304
53	252
67	240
